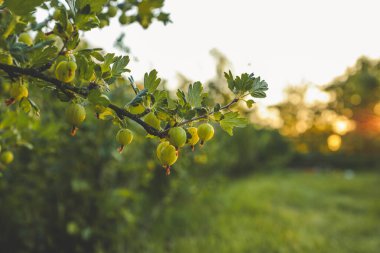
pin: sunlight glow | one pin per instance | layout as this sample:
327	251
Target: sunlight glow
334	142
342	125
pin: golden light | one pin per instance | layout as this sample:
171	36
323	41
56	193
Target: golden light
342	125
376	109
334	142
301	127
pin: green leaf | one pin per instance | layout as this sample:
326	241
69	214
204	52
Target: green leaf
230	80
25	105
35	107
94	5
86	22
97	98
151	81
195	95
119	66
258	89
232	120
181	97
217	116
139	97
42	56
249	103
22	8
246	83
85	68
160	97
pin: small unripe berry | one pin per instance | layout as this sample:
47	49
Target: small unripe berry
193	131
75	115
65	71
136	109
112	11
57	15
6	58
25	38
123	19
152	120
7	157
124	137
177	136
18	91
205	132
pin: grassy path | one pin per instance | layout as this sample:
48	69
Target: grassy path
296	212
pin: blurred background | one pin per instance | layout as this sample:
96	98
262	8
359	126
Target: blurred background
303	177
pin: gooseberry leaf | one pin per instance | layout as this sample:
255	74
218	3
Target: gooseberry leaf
25	105
151	81
120	65
181	97
249	103
20	8
97	98
246	83
231	120
35	107
259	87
194	95
94	5
139	97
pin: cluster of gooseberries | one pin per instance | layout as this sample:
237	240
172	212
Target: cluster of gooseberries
168	149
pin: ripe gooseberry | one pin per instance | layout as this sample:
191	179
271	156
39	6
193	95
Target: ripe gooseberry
177	137
152	120
124	137
160	147
205	132
17	92
193	131
167	155
65	71
75	115
7	157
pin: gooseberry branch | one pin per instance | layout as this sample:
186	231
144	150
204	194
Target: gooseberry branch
70	90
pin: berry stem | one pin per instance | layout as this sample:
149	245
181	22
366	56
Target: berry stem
121	148
10	101
74	130
167	170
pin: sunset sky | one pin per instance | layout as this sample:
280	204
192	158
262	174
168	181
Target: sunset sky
285	42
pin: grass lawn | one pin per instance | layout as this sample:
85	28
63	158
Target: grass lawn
295	212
